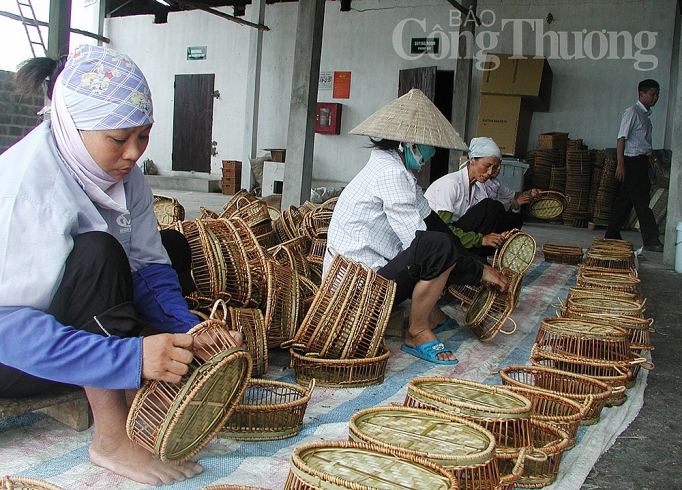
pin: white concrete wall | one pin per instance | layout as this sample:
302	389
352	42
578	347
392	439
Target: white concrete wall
588	96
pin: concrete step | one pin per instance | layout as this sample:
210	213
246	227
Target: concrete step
196	184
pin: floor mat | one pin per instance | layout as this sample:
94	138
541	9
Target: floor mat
38	447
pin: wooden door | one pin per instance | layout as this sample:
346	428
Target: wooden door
193	122
425	80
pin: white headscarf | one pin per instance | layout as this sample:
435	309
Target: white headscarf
98	89
484	147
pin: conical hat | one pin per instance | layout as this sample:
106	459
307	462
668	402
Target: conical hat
412	118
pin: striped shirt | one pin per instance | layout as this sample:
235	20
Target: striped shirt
377	213
636	127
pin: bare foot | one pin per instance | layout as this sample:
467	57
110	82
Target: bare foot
422	338
437	317
133	461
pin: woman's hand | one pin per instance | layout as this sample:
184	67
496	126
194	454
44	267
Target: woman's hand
166	357
494	276
492	240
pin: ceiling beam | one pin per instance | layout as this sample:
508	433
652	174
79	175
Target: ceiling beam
45	24
206	8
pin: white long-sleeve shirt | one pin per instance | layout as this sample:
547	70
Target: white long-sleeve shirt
378	212
453	193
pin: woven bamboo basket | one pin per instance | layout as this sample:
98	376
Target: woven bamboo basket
239	200
625	271
251	324
340	373
552	408
542	467
615	375
623	261
306	208
490	309
268	411
168	210
548	205
200	265
562	254
175	420
229	266
355	466
464	292
262	228
329	204
24	483
607	305
584	390
501	411
609	282
292	253
584	339
282	304
583	292
253	214
639	329
554	139
611	244
256	258
517	252
292	219
462	447
349	314
206	214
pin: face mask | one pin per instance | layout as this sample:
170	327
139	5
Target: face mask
417	155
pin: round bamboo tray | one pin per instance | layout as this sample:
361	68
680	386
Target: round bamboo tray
501	411
562	254
24	483
340	373
490	309
584	339
607	305
581	389
462	447
517	252
616	376
175	420
548	205
355	466
542	467
268	411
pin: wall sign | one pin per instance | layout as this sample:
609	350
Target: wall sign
326	80
425	45
341	85
196	52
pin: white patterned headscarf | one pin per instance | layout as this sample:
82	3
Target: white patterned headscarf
98	89
484	147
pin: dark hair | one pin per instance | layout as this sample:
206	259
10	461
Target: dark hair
383	144
35	73
646	85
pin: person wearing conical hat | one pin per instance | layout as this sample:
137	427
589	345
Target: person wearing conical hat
383	220
84	269
461	200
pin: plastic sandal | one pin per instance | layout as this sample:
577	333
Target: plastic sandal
429	351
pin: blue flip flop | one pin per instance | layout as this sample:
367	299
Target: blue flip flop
450	324
429	351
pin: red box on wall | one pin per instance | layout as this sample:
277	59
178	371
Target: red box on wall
328	118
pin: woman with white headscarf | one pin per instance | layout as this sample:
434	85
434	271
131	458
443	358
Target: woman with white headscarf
83	268
461	200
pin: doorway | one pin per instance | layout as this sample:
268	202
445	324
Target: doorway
193	123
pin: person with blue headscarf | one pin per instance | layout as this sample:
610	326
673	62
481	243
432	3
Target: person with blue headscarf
461	200
83	267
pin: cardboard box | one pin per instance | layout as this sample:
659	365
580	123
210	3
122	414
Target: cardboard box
506	120
530	78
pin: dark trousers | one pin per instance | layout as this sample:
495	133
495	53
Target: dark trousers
428	256
95	295
485	217
634	192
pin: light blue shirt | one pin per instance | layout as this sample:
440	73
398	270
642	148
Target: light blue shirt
635	127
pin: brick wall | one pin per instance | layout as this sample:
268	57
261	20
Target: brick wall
17	112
